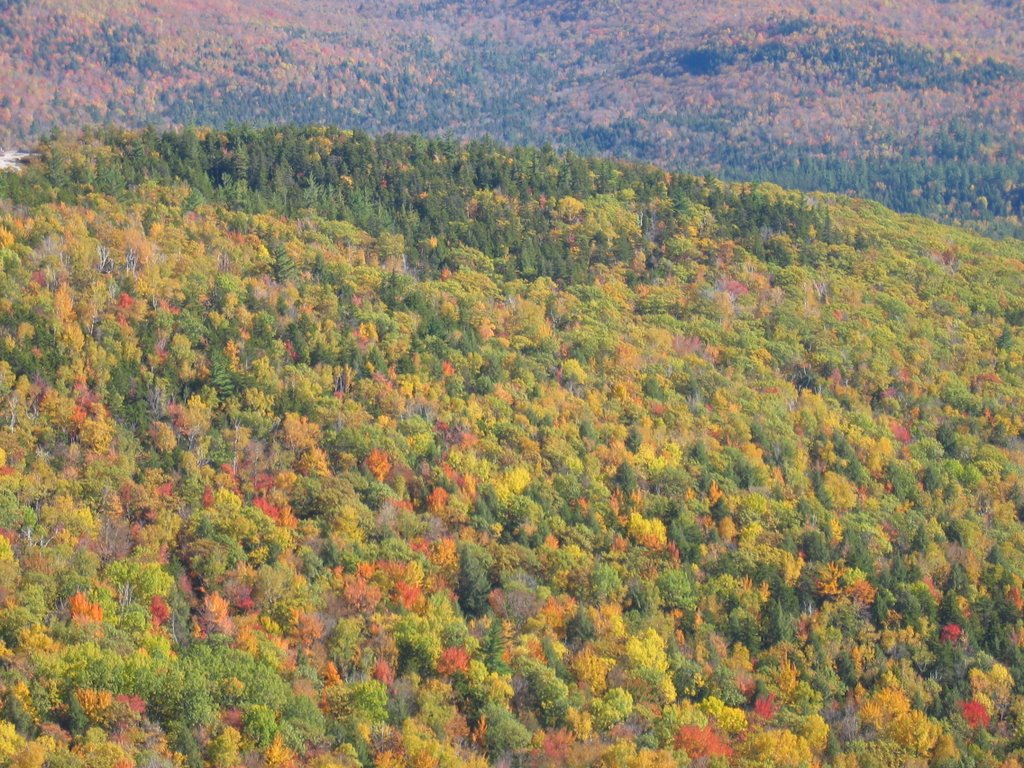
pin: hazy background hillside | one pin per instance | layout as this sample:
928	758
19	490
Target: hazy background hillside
914	103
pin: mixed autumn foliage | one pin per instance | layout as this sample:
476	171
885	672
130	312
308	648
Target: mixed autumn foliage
916	104
317	449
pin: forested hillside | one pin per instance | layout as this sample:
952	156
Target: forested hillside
324	450
917	104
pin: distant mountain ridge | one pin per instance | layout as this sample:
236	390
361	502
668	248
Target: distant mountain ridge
916	104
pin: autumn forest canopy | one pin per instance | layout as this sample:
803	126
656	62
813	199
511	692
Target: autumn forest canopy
329	450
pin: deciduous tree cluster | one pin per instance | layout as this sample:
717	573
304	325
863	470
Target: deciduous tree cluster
323	450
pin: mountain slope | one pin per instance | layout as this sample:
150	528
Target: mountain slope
916	104
326	450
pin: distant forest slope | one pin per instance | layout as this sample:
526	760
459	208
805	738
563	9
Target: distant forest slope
916	104
325	450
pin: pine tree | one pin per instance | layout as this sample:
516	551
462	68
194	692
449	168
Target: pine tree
284	265
494	646
474	580
221	378
240	164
